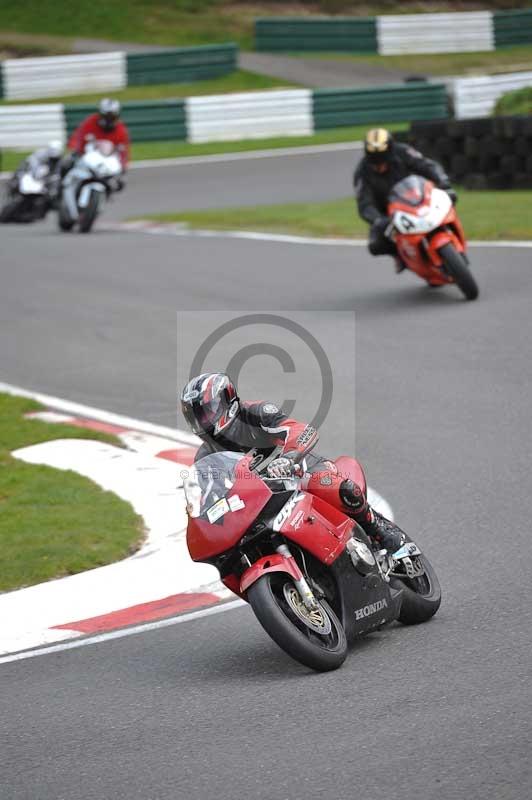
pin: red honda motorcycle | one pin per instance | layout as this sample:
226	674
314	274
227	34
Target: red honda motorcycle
429	236
309	572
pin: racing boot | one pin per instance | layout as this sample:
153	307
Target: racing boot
385	534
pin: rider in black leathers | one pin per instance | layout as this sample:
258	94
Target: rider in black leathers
212	408
386	162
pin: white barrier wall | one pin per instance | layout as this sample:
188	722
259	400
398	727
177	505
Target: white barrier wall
249	115
462	32
25	78
27	127
476	97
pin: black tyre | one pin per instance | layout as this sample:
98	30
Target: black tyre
316	640
12	209
455	265
89	214
63	219
421	596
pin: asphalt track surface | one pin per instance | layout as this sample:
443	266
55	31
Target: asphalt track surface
211	707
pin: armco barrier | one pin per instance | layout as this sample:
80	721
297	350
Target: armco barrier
26	127
26	78
458	32
334	108
475	97
181	65
250	115
512	27
243	115
348	34
488	152
435	33
155	120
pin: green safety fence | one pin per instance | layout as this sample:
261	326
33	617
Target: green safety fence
512	27
349	34
334	108
152	120
181	65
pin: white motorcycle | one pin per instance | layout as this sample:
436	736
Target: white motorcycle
27	195
92	179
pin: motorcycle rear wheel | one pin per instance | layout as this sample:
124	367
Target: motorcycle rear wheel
455	265
279	609
421	596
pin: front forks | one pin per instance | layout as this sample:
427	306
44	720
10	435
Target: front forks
301	583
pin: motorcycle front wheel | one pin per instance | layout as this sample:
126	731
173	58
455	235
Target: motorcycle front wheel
455	265
12	209
89	214
314	638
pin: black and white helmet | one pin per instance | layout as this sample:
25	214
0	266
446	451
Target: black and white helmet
210	403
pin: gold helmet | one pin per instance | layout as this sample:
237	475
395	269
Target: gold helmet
377	145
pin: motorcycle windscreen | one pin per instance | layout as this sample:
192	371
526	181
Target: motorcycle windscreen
224	498
411	191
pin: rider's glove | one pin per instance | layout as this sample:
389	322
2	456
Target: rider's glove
452	194
117	184
280	468
381	223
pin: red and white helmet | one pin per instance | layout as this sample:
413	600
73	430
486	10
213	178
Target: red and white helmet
210	403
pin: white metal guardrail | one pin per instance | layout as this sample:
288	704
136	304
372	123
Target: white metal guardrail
26	78
26	127
476	97
249	115
466	31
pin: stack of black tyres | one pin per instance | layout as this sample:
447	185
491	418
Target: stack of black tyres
484	153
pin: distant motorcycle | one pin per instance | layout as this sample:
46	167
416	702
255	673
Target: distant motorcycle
94	176
28	194
429	236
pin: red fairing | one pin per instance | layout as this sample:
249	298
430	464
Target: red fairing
206	540
91	127
274	563
318	527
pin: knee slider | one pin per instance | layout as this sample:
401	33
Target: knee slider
352	496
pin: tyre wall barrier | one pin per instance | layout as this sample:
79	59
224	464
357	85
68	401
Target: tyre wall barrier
32	78
460	32
482	153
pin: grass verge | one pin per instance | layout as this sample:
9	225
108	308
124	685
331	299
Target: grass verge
189	22
238	81
516	102
485	215
54	522
174	149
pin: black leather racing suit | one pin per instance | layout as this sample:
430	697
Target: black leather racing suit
262	427
372	190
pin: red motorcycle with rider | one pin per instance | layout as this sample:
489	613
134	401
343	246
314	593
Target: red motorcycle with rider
292	533
410	205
